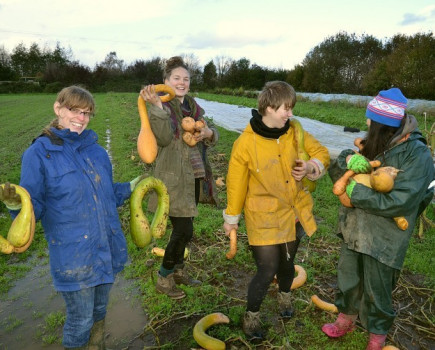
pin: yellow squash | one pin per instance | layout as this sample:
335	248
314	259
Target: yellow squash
321	304
300	279
203	339
22	230
140	229
302	154
146	141
161	252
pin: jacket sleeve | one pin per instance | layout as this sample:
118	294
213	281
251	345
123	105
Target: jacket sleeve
319	154
160	125
122	192
339	166
316	150
237	181
32	179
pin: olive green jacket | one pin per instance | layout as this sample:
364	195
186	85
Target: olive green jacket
173	166
369	228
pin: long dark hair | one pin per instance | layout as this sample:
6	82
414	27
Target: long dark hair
379	137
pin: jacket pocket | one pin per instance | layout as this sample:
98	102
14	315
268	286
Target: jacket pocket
262	212
118	247
71	259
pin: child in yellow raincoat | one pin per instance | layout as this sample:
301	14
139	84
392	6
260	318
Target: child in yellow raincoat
265	180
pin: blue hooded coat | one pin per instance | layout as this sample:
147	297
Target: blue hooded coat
69	178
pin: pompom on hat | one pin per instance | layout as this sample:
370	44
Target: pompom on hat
388	107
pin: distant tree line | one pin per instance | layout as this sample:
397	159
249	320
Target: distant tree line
343	63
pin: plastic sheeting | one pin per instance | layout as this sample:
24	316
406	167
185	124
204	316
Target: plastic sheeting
236	118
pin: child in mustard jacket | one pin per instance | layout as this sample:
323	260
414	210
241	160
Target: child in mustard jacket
265	180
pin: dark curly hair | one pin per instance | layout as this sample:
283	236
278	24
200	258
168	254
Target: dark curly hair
173	63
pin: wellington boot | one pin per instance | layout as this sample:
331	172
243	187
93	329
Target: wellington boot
376	341
96	340
342	325
285	304
182	277
166	285
251	326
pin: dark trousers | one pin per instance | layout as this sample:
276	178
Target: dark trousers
365	288
182	233
271	260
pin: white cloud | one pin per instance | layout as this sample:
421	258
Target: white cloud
276	33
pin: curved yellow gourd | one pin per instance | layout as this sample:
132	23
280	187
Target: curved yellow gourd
22	230
161	252
302	154
321	304
300	279
140	230
203	339
146	141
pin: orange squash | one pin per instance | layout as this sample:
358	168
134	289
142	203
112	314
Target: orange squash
300	279
199	124
321	304
146	141
233	244
189	139
188	124
381	180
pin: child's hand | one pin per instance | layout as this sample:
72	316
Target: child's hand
228	227
301	169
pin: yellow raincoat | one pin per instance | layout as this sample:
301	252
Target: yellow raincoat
259	181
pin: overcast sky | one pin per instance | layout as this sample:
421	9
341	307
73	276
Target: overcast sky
270	33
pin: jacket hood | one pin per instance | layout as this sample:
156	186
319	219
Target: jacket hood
410	126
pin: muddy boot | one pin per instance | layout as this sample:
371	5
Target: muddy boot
96	339
251	326
342	325
376	341
182	277
285	305
166	285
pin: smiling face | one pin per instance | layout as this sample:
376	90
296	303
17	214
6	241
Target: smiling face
179	80
277	118
75	119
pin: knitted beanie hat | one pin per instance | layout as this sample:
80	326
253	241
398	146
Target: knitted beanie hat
388	107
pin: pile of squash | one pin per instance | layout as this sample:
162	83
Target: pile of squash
380	179
191	129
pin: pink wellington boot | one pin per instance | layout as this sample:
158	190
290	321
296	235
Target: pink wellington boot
376	341
342	325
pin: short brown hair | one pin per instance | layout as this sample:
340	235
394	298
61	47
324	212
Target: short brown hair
274	94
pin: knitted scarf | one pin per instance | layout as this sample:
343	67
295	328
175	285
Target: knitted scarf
261	129
178	110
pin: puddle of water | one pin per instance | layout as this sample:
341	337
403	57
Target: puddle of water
33	298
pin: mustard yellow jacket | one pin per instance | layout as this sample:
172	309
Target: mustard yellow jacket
260	182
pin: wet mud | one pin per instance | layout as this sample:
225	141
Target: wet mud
23	313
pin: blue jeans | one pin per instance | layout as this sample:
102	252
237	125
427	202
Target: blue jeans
83	308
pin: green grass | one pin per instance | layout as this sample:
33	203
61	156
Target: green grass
224	282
